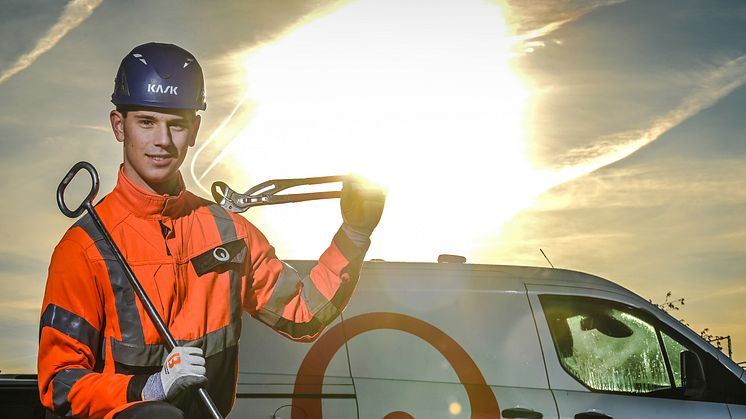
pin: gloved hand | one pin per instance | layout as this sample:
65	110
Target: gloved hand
362	205
184	367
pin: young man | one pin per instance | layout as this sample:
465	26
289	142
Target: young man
99	353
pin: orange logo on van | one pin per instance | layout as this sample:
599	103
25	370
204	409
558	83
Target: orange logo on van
174	359
310	377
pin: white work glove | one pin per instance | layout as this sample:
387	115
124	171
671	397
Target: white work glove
184	367
362	206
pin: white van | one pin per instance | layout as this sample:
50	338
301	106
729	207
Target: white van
452	340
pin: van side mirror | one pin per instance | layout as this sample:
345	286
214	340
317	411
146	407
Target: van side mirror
693	375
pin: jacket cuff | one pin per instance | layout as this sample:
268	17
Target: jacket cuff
135	386
351	250
361	240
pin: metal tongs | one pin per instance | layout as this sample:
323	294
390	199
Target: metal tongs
265	193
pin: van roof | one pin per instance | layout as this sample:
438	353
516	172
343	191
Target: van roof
527	274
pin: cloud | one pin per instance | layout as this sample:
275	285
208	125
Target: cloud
713	86
19	326
535	19
98	128
646	185
74	14
16	262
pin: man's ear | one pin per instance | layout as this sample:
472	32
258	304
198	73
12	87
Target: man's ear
117	124
195	129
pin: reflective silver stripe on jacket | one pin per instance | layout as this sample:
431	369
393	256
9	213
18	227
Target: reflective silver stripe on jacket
124	295
227	231
315	300
152	355
286	288
71	325
61	384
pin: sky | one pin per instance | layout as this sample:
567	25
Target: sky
609	134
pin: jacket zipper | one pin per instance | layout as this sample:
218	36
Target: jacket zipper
164	231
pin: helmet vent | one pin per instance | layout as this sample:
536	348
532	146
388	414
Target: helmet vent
139	57
122	87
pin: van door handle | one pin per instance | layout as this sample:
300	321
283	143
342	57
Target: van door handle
521	412
593	415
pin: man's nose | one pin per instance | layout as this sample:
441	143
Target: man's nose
163	136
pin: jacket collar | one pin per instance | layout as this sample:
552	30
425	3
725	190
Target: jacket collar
144	204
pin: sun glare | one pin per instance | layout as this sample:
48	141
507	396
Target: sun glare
418	95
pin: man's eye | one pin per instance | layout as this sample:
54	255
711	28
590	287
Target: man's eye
146	123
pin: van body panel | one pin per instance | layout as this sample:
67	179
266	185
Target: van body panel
468	307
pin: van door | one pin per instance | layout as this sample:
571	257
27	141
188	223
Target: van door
611	356
439	341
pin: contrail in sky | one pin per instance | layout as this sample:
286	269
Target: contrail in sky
216	160
74	14
558	17
714	86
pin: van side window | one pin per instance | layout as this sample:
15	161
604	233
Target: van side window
674	350
607	347
610	347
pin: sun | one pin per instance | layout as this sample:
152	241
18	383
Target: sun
418	95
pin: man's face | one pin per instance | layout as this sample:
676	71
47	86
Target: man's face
155	145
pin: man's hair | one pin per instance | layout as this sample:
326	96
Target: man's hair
123	109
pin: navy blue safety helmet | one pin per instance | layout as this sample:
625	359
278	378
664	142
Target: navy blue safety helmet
160	76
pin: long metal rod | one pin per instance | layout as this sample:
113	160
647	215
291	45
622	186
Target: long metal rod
144	299
149	307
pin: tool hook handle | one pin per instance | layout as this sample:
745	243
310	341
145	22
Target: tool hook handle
219	191
66	181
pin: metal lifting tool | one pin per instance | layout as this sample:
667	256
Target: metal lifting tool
265	193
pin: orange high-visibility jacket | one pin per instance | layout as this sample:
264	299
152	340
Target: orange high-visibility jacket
202	267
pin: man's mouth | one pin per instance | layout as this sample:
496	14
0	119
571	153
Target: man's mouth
160	158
